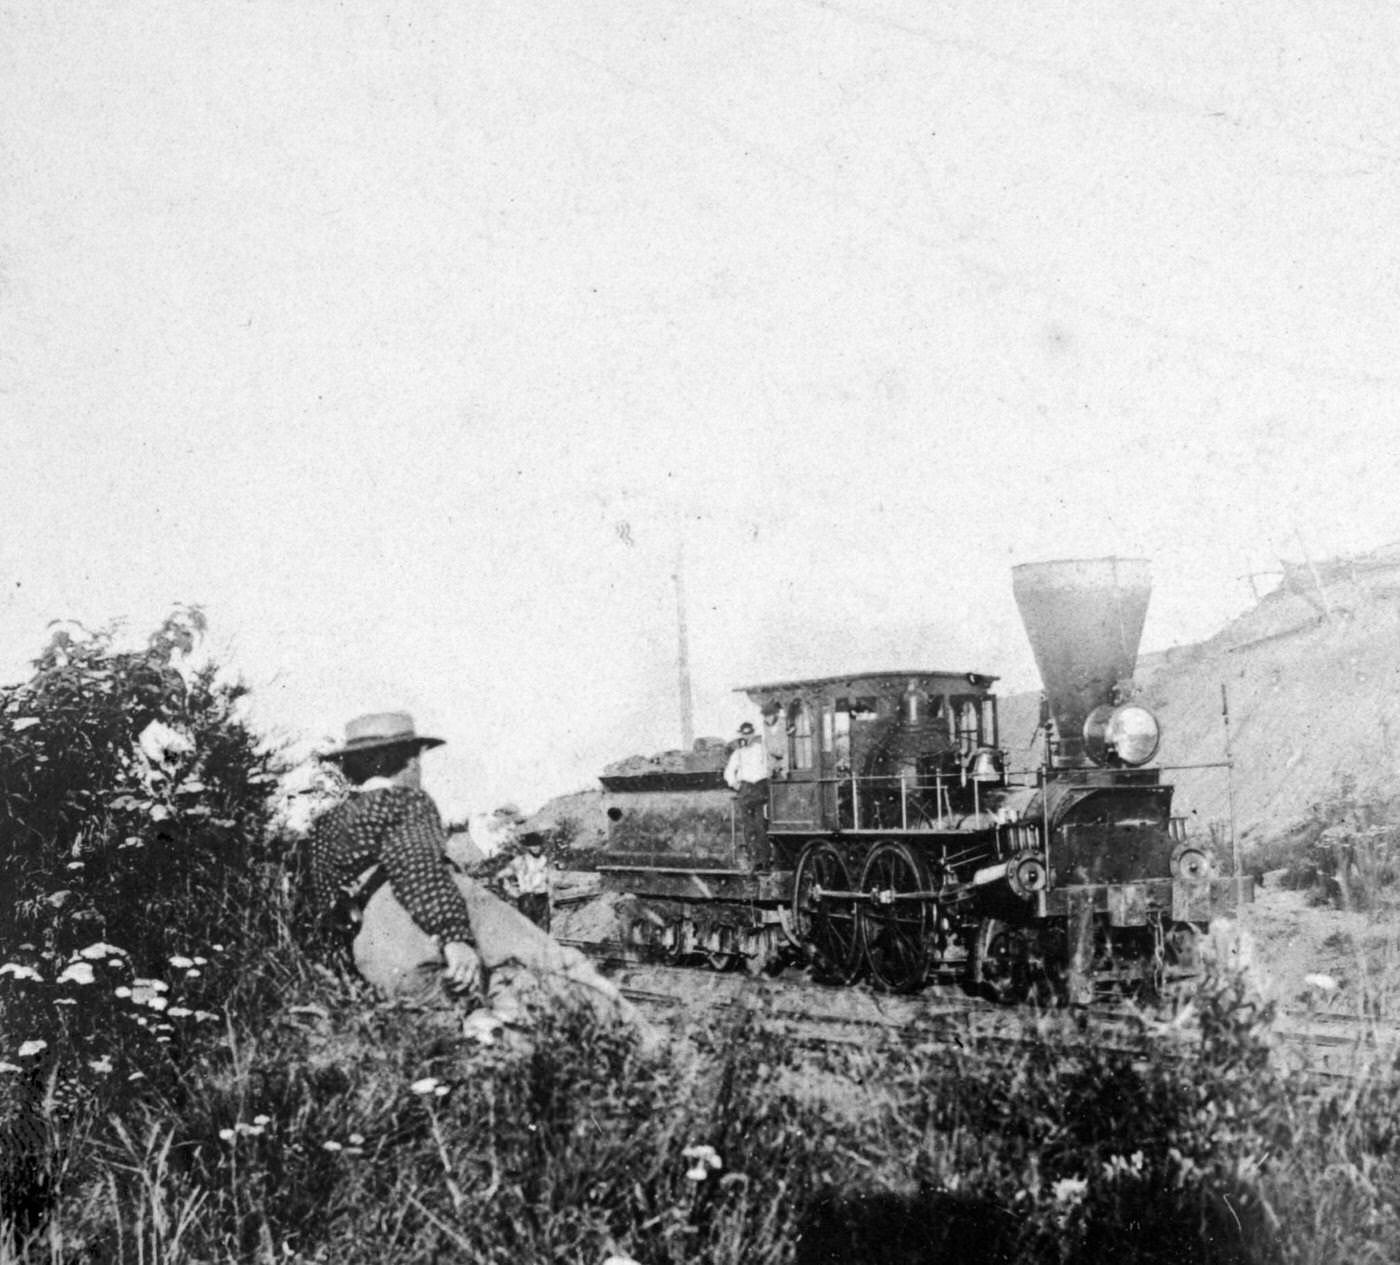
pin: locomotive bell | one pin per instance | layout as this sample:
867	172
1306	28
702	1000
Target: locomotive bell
985	766
1084	620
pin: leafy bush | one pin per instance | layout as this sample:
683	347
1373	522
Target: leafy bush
138	888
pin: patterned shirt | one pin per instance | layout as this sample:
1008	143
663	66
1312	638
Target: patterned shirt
399	828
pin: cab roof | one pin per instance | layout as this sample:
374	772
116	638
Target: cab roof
888	681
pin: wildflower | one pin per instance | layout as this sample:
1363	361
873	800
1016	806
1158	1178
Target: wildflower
101	950
151	985
331	1146
179	962
620	1260
1070	1190
137	1076
356	1139
226	1135
199	961
121	990
158	741
10	1067
703	1158
427	1085
218	948
65	1001
20	972
21	723
179	1012
253	1130
102	1065
37	1046
76	865
1323	983
263	1121
157	1003
202	1016
193	973
76	973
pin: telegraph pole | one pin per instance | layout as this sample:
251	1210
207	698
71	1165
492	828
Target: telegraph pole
683	653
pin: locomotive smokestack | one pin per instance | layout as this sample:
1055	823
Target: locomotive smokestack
1084	619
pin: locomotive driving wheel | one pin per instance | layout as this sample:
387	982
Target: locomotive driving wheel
825	926
894	925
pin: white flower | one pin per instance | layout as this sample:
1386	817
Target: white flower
703	1156
427	1085
101	950
620	1260
157	1003
356	1139
10	1067
180	963
201	961
137	1076
121	990
203	1015
155	985
226	1135
330	1146
20	972
1325	983
179	1012
192	973
76	973
76	865
159	742
65	1001
218	948
21	723
104	1064
1070	1190
36	1046
263	1121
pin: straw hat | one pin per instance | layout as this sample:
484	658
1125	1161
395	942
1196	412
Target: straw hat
380	729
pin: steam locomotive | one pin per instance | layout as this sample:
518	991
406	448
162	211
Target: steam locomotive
904	848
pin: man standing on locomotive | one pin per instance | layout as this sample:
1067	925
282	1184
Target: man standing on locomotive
746	775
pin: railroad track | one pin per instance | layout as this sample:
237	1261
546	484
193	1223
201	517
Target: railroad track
1330	1045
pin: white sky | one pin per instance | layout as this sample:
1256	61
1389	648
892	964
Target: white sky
381	335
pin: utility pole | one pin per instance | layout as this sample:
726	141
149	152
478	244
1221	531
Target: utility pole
683	653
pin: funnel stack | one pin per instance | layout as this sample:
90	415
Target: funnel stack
1084	620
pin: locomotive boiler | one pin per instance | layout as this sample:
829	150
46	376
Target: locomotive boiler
906	850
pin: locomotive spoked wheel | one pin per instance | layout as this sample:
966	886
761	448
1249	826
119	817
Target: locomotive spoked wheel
1010	965
893	930
825	927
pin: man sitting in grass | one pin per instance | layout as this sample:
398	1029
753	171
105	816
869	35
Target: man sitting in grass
427	934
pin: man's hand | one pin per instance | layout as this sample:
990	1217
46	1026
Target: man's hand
463	967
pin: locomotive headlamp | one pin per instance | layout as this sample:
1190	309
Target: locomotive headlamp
1121	735
1191	863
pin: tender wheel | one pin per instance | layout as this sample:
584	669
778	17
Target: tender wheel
893	931
825	927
